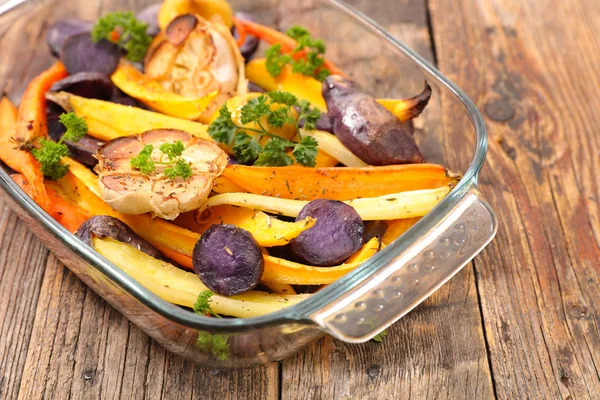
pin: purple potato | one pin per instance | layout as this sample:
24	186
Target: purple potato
59	31
254	88
374	229
366	128
251	42
149	15
228	260
83	151
324	123
337	234
103	226
180	28
92	85
81	54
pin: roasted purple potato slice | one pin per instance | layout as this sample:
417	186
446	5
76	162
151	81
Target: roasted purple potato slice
104	226
61	30
366	128
149	15
81	54
83	150
228	260
337	234
92	85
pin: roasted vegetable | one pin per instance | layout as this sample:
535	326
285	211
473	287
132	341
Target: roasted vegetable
108	121
207	9
308	88
332	146
336	183
92	85
337	234
228	260
247	43
104	226
139	191
59	206
396	228
283	271
81	54
61	30
149	16
268	231
180	287
415	203
196	57
151	93
84	150
365	127
374	229
408	109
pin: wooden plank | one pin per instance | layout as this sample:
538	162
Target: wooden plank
22	260
438	350
532	67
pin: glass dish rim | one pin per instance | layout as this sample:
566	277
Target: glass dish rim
298	313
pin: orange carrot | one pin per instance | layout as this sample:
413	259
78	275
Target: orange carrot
60	208
273	36
301	183
31	122
241	31
19	160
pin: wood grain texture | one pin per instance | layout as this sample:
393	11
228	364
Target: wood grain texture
532	67
438	350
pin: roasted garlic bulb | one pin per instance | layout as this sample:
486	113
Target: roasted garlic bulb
194	57
131	191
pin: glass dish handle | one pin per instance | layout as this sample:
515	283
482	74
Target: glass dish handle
413	275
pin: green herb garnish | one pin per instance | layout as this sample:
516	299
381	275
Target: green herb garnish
176	166
379	337
50	153
202	304
216	344
311	61
248	149
123	29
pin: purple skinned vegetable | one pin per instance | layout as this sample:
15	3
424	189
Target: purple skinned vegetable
366	128
228	260
92	85
81	54
149	15
103	226
61	30
251	43
337	234
83	150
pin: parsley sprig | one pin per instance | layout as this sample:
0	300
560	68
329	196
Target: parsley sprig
50	153
215	344
311	59
248	148
123	29
176	165
202	304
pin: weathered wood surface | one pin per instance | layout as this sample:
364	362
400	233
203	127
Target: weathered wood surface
531	66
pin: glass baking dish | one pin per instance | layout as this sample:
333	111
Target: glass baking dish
357	306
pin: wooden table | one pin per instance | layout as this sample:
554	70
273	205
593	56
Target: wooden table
521	322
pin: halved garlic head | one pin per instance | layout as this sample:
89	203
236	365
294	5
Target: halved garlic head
195	57
130	191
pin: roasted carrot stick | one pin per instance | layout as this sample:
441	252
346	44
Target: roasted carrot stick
60	208
241	30
273	36
31	122
20	160
295	182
